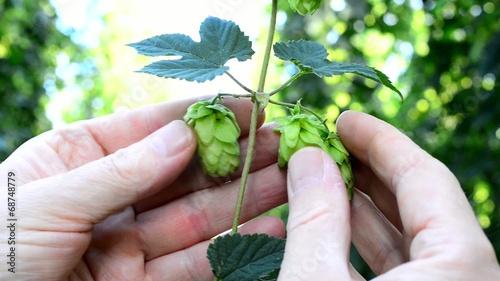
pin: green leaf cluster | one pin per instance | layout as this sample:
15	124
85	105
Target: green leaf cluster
223	40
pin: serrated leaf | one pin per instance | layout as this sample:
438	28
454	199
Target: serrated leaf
245	257
312	57
220	41
165	45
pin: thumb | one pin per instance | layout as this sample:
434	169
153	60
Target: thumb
89	194
318	237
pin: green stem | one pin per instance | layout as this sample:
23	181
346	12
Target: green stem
236	96
254	119
239	83
293	78
246	166
269	45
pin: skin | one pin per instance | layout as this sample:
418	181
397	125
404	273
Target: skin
409	217
120	198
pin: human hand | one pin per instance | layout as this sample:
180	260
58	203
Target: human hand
118	198
411	220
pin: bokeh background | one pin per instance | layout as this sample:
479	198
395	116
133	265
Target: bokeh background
67	60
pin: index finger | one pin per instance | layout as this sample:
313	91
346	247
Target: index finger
427	193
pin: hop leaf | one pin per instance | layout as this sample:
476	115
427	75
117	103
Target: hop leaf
304	7
246	257
220	41
311	57
217	134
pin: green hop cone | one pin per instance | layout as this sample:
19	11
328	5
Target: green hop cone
340	155
217	134
304	7
298	131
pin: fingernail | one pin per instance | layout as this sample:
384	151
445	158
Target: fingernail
341	116
305	169
172	139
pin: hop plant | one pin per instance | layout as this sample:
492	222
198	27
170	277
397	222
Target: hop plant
300	130
217	133
304	7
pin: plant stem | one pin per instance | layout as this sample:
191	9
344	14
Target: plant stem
239	83
246	166
221	95
293	78
254	118
269	45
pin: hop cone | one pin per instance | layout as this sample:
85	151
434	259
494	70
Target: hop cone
337	151
217	134
304	7
301	130
298	131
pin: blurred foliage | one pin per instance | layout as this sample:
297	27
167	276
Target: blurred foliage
31	50
26	32
445	56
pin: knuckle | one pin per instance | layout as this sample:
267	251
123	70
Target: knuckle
74	145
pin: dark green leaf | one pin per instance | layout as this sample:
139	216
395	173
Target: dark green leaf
312	57
245	257
220	41
272	276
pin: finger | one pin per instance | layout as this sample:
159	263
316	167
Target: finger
428	194
201	215
193	178
377	240
192	264
318	232
85	196
368	183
